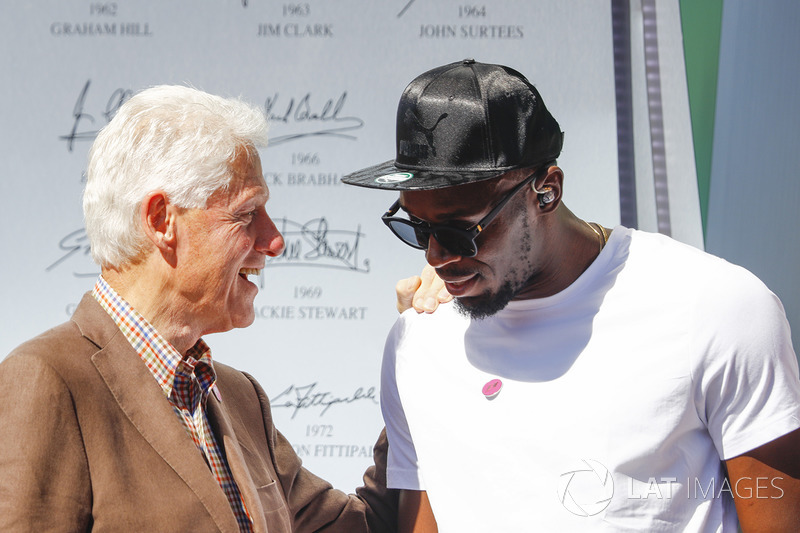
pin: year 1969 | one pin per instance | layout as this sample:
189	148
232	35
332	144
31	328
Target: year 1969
310	292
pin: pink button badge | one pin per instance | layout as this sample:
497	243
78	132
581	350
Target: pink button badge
492	388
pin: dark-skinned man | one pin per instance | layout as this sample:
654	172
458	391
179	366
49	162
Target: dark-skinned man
585	378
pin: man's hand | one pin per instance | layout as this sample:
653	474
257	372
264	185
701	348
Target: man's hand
424	292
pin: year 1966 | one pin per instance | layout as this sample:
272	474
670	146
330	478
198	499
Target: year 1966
305	158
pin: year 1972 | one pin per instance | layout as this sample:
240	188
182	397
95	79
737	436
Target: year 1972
319	430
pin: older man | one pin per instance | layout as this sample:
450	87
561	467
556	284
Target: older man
586	379
118	420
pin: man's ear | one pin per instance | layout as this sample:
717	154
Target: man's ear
549	189
158	220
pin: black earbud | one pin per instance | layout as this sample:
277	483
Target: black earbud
546	195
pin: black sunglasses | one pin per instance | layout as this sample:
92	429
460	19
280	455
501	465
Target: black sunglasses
457	241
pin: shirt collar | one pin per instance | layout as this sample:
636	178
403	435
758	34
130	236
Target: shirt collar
160	357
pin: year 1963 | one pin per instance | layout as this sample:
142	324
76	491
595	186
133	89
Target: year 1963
296	10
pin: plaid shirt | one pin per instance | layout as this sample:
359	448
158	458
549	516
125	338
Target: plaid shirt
186	382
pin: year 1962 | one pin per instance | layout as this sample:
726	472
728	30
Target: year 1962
319	430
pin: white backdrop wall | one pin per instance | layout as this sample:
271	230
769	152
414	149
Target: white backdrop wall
329	75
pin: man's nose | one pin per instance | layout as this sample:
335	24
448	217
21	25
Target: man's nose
437	255
269	240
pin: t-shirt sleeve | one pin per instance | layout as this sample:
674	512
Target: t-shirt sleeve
747	386
402	471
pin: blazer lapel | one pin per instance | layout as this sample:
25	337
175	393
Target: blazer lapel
144	404
223	430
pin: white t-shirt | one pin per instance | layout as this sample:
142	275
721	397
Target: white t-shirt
621	395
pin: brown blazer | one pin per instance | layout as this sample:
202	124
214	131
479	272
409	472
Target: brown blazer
88	442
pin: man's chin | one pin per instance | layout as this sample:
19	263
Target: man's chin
245	323
247	320
484	305
477	308
244	319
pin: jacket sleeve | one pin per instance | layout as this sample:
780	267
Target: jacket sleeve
381	502
314	505
44	475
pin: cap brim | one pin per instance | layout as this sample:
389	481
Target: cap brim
388	176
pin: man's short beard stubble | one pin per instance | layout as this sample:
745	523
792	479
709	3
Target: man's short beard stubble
488	304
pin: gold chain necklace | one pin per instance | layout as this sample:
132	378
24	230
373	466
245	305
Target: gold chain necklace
600	233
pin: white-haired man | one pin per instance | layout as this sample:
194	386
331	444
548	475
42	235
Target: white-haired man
118	420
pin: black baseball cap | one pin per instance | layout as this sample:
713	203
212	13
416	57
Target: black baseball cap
465	122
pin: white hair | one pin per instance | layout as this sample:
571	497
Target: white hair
173	138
